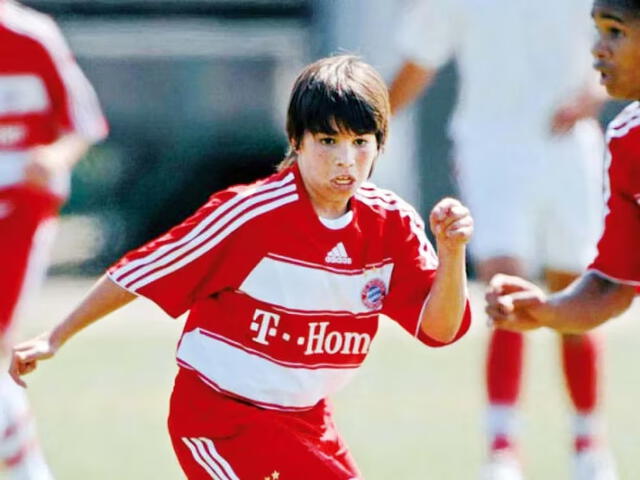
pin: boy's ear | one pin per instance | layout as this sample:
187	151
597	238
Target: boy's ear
293	144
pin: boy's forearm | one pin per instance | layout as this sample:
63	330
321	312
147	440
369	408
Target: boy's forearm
588	302
105	297
447	300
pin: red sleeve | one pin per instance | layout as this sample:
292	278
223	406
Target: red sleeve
415	264
75	106
618	255
193	260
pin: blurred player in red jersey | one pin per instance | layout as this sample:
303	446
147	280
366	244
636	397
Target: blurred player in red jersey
285	280
49	116
610	283
528	154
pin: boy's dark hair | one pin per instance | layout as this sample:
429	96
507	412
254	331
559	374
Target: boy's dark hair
340	91
633	5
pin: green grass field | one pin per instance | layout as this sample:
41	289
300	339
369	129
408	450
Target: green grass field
412	413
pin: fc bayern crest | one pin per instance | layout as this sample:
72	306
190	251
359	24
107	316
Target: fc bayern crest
373	293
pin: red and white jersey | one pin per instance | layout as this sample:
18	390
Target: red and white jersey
283	309
619	248
43	92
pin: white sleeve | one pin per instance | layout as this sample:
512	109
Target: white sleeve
427	32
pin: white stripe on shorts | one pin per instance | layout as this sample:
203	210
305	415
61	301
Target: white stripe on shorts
205	453
199	459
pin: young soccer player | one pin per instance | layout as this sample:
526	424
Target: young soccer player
49	117
284	280
528	167
610	284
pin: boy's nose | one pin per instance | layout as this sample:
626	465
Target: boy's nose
598	50
346	156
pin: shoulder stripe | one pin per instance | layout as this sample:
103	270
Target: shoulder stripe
249	197
196	248
617	131
184	260
391	202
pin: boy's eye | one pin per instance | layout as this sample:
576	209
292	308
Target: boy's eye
614	32
327	140
360	141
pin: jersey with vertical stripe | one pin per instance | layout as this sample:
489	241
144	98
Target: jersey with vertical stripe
43	92
618	255
282	308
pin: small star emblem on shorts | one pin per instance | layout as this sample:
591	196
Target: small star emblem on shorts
274	476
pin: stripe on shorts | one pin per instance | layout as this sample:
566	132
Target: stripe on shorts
204	452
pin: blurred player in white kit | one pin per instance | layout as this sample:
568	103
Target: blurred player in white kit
528	155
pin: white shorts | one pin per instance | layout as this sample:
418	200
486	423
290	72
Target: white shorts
538	200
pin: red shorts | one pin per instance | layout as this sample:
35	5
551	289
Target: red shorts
217	437
22	210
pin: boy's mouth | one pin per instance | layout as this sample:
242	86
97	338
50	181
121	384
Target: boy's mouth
604	70
343	180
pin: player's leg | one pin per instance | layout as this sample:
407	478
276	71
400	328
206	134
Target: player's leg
573	227
581	359
24	218
494	182
20	454
581	367
503	381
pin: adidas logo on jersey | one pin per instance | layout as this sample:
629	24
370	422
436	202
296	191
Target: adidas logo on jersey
338	254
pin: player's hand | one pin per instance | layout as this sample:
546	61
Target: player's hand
451	224
26	355
43	165
513	303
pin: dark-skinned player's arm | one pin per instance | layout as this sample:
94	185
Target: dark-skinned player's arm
103	298
516	304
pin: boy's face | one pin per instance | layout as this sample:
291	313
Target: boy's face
333	166
617	49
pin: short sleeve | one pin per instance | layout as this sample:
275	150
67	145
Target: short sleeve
427	32
618	256
415	264
188	263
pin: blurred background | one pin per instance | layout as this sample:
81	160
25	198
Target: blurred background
195	92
